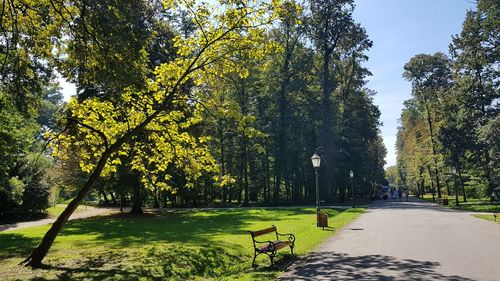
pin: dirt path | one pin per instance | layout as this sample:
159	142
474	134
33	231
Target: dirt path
407	241
81	214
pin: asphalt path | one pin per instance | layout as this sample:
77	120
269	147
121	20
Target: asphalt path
81	214
407	241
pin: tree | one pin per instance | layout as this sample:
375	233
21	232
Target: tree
475	70
163	113
431	77
288	35
331	25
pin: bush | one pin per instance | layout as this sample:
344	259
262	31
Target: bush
26	194
35	196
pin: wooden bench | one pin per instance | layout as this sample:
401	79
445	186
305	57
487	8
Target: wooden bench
496	215
271	247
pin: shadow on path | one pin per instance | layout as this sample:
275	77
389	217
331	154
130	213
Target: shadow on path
341	266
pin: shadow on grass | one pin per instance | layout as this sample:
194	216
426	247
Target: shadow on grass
173	262
12	245
341	266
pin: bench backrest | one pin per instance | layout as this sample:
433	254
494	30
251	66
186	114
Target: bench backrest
263	231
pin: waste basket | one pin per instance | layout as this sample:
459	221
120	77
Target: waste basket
322	220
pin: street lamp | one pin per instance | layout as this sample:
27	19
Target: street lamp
316	160
454	172
351	174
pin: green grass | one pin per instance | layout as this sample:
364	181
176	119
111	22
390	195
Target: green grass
56	210
488	217
472	204
189	245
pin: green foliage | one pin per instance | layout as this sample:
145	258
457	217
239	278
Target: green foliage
458	99
35	195
16	137
392	176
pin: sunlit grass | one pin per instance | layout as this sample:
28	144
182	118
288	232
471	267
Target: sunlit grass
172	246
488	217
472	204
57	209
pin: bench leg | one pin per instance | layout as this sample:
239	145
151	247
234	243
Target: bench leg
254	257
291	250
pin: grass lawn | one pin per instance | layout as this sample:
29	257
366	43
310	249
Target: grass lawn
488	217
56	210
184	245
472	204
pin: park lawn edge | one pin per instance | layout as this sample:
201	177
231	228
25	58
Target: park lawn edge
488	217
481	206
95	242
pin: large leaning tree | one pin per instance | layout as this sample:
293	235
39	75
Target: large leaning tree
153	126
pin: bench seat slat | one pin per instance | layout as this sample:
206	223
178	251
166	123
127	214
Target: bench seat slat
263	231
278	245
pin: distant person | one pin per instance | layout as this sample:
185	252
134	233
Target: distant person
394	195
400	194
406	194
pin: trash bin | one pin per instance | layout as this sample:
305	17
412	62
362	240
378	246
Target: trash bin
445	201
322	220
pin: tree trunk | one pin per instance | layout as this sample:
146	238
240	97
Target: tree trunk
461	182
38	254
113	198
327	168
222	160
432	184
245	174
136	197
104	196
434	153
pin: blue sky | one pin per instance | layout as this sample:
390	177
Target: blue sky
399	30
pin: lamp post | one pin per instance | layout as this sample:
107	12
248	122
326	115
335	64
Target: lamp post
316	160
351	174
454	172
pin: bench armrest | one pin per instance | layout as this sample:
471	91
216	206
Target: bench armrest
290	236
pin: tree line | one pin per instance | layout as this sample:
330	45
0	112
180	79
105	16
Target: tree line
187	103
449	139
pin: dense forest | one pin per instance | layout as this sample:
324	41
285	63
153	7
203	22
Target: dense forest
448	143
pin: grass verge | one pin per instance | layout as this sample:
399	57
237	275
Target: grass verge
472	204
487	217
185	245
56	210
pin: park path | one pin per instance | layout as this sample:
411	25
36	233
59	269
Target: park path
81	214
407	241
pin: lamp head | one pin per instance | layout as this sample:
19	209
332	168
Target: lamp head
316	160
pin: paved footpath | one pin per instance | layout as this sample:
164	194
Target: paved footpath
81	214
407	241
